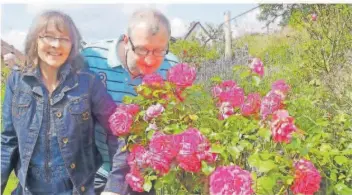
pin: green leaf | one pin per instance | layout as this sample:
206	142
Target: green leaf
342	189
340	160
215	148
266	184
254	160
147	185
153	177
289	181
264	133
245	74
265	155
256	80
169	177
205	130
333	175
216	79
266	166
234	152
206	169
150	134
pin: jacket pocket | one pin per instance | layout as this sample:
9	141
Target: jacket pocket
80	110
21	104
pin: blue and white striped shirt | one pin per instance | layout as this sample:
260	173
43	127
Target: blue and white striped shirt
102	57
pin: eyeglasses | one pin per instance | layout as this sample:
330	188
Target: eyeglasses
144	52
49	39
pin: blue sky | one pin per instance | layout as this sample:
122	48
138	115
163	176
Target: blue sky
104	21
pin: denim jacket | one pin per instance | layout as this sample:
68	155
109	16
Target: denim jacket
79	99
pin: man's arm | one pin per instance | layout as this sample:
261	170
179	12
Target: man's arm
103	106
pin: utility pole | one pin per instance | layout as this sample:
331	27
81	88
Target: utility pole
228	35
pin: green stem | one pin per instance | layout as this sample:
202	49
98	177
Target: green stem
282	190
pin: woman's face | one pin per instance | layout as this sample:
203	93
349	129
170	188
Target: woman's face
54	46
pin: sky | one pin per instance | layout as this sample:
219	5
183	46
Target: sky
106	21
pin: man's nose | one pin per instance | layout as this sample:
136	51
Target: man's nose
150	60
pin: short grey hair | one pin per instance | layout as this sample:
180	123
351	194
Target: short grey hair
152	17
40	23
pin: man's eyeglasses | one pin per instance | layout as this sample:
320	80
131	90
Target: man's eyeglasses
144	52
49	39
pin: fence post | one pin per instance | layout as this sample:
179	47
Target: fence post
228	36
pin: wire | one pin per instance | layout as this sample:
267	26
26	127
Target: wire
239	15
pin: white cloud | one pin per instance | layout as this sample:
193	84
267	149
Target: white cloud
15	38
178	27
250	24
37	8
128	9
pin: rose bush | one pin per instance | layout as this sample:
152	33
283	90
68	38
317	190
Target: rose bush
185	140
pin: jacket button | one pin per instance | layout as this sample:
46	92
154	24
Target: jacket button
83	188
58	114
73	165
65	140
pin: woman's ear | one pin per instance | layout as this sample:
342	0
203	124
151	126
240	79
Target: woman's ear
125	39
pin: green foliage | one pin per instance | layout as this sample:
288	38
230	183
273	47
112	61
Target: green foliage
326	49
193	52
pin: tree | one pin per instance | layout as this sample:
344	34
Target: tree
282	12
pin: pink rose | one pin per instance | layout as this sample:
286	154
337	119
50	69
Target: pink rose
194	147
152	126
282	126
190	163
251	104
226	110
216	91
120	122
257	66
164	144
153	80
314	17
182	75
138	158
281	88
135	180
153	111
307	178
228	84
233	95
133	109
270	103
160	163
228	180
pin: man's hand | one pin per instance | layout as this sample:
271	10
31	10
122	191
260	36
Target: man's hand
109	193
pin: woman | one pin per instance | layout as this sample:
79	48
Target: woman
48	113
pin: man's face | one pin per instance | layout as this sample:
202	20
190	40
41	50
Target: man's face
149	50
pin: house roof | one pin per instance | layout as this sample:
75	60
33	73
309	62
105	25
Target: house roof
6	48
193	26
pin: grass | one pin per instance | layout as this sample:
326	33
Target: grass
11	184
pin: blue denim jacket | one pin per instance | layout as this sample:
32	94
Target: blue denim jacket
79	99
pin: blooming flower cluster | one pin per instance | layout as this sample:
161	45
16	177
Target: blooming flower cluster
228	180
273	101
257	67
186	150
282	126
307	178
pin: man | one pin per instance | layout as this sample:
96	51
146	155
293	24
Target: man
10	60
121	63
